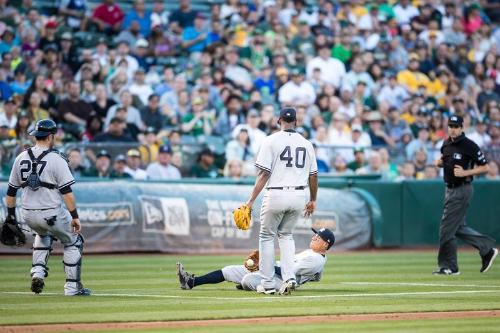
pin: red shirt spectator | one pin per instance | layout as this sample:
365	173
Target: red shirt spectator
108	15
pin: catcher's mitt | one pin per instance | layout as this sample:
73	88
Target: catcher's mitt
11	233
255	258
242	216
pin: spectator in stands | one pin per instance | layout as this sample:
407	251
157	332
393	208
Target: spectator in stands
34	110
73	110
119	166
421	142
252	127
230	117
68	53
480	136
374	166
139	88
205	166
296	91
133	114
182	17
9	114
102	167
108	17
392	93
412	78
332	70
38	84
114	133
133	167
431	172
171	97
240	148
340	166
23	123
492	171
377	134
194	38
420	163
358	74
407	172
199	121
20	85
74	13
102	103
151	114
123	54
390	169
140	15
93	128
75	162
163	169
359	159
233	169
237	74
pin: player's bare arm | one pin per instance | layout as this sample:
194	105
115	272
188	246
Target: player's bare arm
260	182
313	192
69	201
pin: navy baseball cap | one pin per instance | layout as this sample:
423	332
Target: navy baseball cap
288	114
456	120
326	235
166	149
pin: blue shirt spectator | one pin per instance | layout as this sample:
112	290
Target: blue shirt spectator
140	15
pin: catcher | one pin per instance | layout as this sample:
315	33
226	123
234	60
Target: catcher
45	181
308	266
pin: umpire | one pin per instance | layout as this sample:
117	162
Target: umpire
461	159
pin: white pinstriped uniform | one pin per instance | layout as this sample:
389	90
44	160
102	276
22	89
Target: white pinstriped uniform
290	159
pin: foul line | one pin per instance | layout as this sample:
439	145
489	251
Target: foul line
238	299
420	284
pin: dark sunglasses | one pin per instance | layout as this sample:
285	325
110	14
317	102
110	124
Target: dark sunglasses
453	126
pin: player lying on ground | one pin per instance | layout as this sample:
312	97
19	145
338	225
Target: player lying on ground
308	266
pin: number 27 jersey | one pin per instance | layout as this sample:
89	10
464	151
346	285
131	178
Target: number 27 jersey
53	169
289	157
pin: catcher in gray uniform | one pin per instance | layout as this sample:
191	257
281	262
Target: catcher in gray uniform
44	177
308	266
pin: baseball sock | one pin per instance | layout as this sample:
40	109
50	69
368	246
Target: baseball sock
210	278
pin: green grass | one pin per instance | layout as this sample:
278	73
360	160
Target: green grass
359	282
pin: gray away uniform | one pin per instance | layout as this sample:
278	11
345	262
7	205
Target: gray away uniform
43	211
307	266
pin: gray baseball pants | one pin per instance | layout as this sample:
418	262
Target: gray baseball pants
55	224
456	202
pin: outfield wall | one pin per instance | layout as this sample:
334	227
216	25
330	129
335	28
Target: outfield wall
411	210
189	217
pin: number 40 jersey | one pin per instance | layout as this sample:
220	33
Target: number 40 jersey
289	157
52	169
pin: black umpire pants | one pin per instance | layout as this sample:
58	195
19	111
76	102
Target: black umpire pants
456	202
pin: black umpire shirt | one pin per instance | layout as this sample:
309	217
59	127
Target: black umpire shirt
461	151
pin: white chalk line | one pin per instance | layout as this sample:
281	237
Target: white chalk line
419	284
187	296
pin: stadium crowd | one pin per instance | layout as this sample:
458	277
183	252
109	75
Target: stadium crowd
187	93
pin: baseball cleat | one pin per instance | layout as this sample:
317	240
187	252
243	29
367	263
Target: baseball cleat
445	271
488	260
185	278
83	292
268	291
287	287
37	285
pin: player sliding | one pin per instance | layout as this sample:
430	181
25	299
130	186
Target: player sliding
308	266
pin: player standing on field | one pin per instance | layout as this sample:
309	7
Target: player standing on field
45	179
287	166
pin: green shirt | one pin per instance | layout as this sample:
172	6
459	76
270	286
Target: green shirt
341	53
199	172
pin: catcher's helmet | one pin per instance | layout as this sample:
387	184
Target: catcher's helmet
44	128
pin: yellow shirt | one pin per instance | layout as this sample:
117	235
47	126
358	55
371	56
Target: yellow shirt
39	114
437	89
149	154
413	80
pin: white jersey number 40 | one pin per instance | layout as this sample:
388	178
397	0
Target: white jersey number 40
299	157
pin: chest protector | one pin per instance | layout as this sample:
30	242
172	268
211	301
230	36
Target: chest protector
33	181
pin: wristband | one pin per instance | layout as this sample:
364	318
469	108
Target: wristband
11	211
74	214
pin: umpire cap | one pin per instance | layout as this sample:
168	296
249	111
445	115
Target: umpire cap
326	235
44	128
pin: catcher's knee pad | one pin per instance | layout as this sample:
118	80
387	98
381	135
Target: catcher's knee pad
72	260
42	246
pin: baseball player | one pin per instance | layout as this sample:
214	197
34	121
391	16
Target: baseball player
308	266
44	177
286	165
